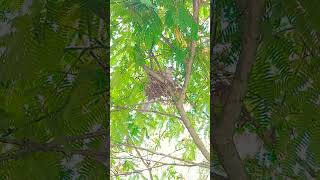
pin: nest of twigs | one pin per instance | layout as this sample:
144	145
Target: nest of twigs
222	79
157	89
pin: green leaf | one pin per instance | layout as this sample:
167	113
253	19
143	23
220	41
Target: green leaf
169	18
148	3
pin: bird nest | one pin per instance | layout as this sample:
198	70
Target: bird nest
157	89
222	79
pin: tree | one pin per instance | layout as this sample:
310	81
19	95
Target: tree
53	82
159	88
266	83
54	89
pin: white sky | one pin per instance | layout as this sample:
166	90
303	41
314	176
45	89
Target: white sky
189	173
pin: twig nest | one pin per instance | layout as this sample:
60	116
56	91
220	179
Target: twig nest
222	79
157	89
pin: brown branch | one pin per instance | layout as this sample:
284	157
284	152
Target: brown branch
192	131
156	161
136	171
179	103
251	12
143	103
216	176
145	163
27	146
119	108
205	165
157	166
132	157
186	163
189	61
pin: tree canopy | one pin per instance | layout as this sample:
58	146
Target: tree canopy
53	79
65	75
160	89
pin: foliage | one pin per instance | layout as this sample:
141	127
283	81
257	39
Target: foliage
52	89
145	33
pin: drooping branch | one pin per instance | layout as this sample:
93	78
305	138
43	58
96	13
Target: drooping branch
26	146
251	12
205	165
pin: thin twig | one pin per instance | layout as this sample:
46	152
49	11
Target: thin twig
162	154
119	108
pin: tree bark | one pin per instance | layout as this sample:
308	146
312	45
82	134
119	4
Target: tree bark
192	131
251	12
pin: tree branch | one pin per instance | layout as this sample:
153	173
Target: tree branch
159	161
204	165
27	146
192	131
118	108
251	13
189	61
161	164
145	163
179	103
137	171
143	103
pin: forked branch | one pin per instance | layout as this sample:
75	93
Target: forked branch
251	13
